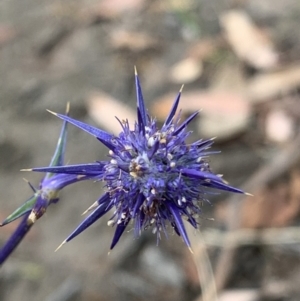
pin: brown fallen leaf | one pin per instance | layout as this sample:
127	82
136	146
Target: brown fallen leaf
203	49
186	71
272	207
292	206
133	41
223	114
103	108
258	212
111	9
267	86
247	41
191	67
229	77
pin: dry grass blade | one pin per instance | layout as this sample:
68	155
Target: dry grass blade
203	266
270	236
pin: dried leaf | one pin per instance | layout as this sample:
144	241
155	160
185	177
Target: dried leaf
279	126
186	71
273	207
103	108
292	206
248	42
133	41
239	295
229	77
204	48
268	86
110	9
265	201
223	114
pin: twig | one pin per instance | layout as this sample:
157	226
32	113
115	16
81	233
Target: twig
278	165
269	236
203	265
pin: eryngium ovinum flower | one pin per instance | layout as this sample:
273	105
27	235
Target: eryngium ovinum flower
153	178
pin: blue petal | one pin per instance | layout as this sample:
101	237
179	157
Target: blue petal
118	233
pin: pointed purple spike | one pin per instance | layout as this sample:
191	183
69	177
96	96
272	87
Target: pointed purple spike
140	122
185	123
201	175
93	217
193	222
107	144
139	201
173	109
176	229
142	114
223	186
78	169
179	224
59	181
121	123
203	144
31	186
21	211
99	134
58	157
118	233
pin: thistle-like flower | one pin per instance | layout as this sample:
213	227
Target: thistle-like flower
152	179
47	194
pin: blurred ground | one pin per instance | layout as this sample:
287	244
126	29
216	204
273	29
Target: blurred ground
240	63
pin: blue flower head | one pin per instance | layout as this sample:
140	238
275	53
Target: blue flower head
153	178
